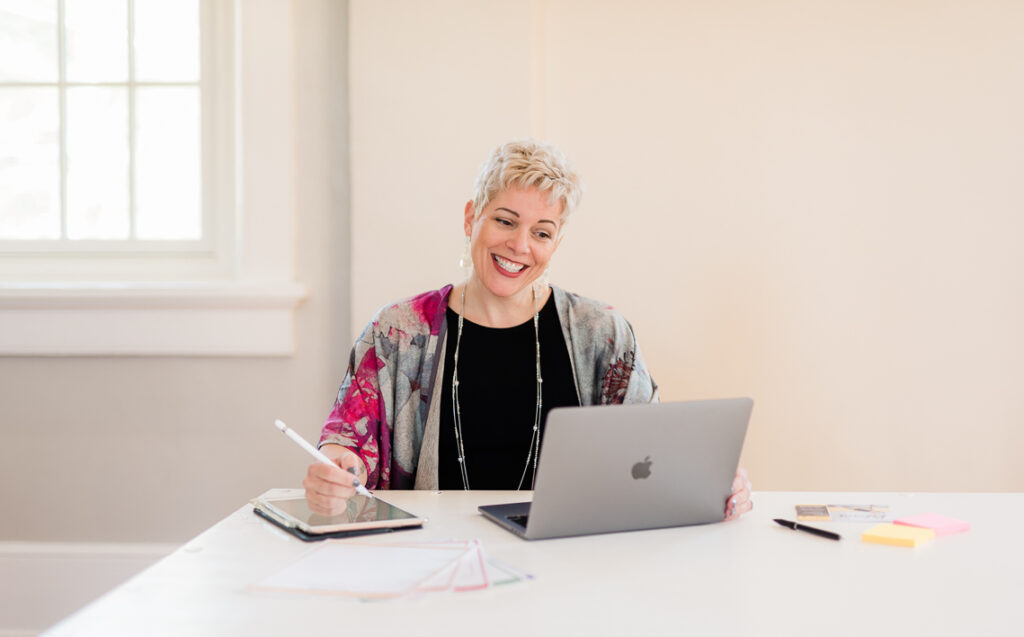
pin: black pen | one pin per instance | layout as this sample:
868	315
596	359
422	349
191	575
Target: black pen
808	529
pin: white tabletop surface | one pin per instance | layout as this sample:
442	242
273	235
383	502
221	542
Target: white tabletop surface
746	577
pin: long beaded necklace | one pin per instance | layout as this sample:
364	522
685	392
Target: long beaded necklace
534	451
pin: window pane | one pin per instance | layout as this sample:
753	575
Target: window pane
96	40
167	41
168	200
28	40
97	163
29	164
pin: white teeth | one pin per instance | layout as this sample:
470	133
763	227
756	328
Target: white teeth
508	265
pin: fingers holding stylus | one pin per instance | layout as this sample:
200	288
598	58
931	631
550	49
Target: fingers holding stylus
328	488
350	463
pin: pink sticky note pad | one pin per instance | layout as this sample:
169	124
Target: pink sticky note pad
939	523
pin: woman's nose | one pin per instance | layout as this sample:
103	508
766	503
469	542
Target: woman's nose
519	242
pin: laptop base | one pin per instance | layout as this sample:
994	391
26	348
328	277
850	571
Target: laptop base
512	517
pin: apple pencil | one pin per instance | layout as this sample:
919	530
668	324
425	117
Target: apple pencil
316	453
808	529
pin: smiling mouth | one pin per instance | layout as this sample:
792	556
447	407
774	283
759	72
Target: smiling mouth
508	266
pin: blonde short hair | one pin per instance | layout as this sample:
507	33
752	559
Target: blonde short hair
526	164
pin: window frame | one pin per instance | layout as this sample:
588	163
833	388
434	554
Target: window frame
83	256
237	298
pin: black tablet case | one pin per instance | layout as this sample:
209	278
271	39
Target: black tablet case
314	537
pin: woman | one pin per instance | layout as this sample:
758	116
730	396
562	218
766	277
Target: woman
450	389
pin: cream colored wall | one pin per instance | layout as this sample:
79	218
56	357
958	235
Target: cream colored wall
814	204
810	203
158	449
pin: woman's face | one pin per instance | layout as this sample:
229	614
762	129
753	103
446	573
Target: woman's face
513	239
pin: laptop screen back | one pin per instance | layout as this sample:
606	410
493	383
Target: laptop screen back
628	467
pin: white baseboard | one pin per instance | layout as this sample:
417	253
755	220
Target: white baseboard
41	583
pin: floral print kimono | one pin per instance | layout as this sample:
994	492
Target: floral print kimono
388	407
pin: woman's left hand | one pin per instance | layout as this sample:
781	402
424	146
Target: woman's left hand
739	502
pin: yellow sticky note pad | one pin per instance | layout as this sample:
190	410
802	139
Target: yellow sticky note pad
897	535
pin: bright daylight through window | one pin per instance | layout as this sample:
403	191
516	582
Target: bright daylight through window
124	179
100	125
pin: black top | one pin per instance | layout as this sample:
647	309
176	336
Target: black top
498	398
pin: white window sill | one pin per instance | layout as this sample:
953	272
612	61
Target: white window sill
134	319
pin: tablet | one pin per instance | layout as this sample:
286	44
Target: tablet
361	514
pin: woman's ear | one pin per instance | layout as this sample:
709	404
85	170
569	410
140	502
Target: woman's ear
470	209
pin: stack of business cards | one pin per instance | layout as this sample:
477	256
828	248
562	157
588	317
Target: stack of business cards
843	512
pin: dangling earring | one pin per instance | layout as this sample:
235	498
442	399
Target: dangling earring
466	262
541	284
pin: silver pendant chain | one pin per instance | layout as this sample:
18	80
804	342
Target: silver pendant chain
534	451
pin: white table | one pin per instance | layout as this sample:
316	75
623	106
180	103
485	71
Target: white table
747	577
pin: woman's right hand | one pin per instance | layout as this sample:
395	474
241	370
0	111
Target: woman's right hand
328	487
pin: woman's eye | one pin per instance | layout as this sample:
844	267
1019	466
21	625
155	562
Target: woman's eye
504	222
543	235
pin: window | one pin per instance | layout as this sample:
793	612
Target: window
101	118
121	170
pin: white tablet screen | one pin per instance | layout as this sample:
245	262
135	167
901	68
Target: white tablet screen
361	511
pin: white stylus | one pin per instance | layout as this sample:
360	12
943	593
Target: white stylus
316	453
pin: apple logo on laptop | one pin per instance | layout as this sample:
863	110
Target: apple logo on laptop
642	470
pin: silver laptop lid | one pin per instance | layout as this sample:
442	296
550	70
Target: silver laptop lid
630	467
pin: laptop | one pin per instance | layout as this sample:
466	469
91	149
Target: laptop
614	468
